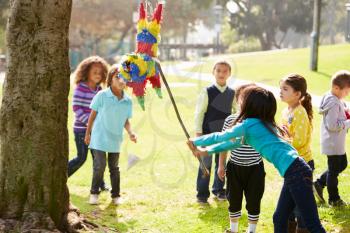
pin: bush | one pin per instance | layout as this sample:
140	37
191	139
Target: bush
245	45
237	44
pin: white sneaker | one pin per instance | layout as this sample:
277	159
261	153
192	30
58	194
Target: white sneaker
117	200
93	199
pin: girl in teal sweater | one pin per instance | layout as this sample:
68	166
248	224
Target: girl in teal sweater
256	127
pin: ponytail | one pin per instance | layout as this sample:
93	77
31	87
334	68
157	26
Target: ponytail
307	104
298	83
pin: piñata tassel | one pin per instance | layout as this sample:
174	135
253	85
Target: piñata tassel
141	101
142	12
159	92
157	15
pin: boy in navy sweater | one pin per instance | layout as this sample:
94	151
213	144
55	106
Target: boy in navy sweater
213	106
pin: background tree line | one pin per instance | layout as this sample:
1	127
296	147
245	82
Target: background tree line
107	27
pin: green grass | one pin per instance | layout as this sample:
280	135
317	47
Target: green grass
270	67
159	191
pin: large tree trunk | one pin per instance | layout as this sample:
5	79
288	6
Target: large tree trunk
33	117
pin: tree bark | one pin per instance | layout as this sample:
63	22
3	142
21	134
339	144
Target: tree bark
264	43
33	115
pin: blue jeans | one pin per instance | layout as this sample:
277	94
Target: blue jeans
82	149
79	160
203	182
336	164
296	212
99	170
297	192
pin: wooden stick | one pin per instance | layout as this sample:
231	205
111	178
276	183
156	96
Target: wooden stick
202	165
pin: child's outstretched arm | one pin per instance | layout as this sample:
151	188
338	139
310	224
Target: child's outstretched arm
132	135
89	127
213	138
224	146
216	148
196	151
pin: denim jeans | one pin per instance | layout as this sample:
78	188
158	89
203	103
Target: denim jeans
82	149
336	164
79	160
297	192
203	182
296	212
99	165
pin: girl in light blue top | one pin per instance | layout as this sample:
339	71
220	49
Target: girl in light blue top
256	126
111	110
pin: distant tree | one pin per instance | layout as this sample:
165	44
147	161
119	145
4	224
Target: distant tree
333	21
93	21
263	19
2	40
181	16
4	8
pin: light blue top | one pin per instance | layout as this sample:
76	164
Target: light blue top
253	132
107	130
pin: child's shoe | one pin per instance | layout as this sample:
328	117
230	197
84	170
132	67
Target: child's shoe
302	230
93	199
318	191
292	226
221	197
228	231
117	200
338	203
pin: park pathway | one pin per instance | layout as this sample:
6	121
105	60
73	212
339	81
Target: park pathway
181	69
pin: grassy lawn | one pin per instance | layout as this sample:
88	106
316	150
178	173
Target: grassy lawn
270	67
159	191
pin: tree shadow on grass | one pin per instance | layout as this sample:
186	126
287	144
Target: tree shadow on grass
324	75
106	217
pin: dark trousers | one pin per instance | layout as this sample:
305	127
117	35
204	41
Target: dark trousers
247	180
99	165
336	164
82	151
296	213
203	182
297	192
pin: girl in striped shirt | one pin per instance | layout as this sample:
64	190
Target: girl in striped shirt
245	175
89	76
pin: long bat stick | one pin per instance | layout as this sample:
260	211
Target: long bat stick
202	166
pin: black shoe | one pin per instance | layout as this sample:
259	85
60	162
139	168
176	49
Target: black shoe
318	191
338	203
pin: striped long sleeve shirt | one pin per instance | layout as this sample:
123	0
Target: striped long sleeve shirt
244	155
82	98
